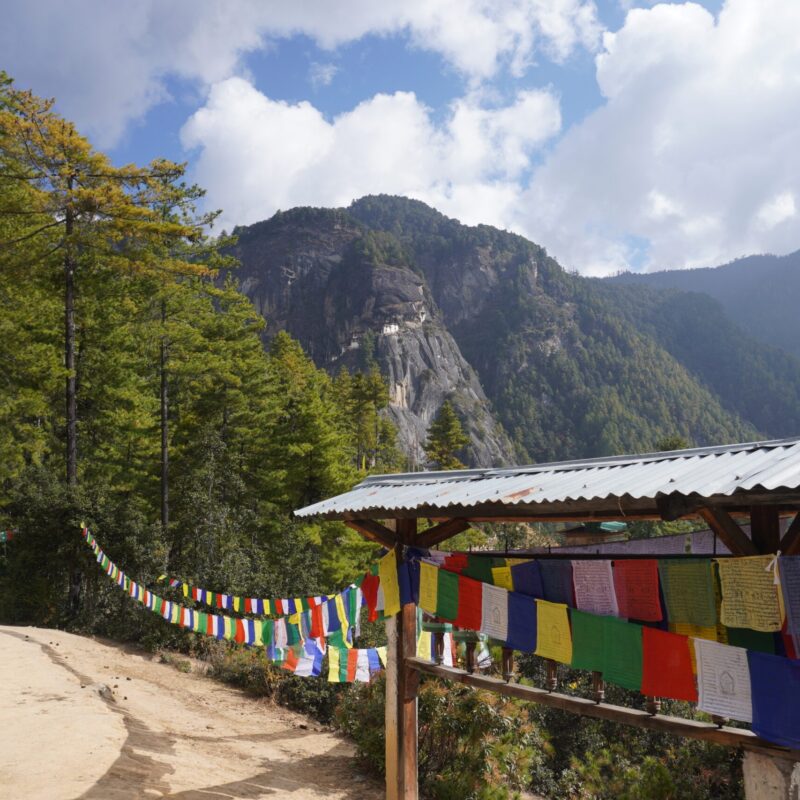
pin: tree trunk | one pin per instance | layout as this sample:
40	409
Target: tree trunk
164	424
69	352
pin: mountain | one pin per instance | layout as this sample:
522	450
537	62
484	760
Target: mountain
539	363
758	292
352	299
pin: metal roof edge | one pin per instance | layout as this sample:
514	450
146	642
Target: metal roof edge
601	461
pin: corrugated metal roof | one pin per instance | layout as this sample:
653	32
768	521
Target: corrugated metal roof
704	472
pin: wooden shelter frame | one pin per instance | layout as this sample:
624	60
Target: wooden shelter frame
764	510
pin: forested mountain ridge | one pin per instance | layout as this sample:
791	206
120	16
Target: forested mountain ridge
570	366
758	292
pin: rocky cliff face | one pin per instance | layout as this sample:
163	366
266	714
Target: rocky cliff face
350	298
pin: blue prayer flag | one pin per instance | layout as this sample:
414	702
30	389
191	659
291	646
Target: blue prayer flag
521	622
775	689
527	579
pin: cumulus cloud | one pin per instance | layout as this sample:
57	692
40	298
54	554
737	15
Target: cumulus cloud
109	68
322	74
256	155
693	158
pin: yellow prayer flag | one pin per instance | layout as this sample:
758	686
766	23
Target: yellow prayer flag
333	665
553	635
428	587
175	614
424	645
342	615
238	604
185	589
501	576
387	571
229	628
258	641
294	619
749	594
382	654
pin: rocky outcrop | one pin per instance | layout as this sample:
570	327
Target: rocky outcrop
351	299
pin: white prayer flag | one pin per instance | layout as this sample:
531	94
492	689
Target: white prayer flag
594	587
723	680
494	612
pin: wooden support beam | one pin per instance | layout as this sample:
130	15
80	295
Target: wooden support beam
402	685
373	531
440	532
765	528
733	737
735	539
790	543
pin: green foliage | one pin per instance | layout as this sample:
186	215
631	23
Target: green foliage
472	744
446	438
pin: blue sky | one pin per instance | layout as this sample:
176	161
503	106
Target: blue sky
618	134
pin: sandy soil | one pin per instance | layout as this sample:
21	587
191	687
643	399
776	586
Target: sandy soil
87	718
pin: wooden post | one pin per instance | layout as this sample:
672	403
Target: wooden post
402	683
470	657
765	528
552	674
508	664
598	687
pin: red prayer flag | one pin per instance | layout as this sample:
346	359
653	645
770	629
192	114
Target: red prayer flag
667	665
290	664
316	622
219	601
278	607
352	665
239	637
369	588
248	606
455	562
470	604
636	587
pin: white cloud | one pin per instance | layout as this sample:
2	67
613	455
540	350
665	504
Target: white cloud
322	74
695	151
256	155
107	66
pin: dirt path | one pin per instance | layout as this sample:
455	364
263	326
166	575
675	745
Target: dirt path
162	733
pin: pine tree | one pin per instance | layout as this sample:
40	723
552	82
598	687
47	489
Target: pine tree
445	438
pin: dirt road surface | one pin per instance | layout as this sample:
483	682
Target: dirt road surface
87	718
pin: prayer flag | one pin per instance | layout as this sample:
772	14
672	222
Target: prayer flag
479	568
382	654
775	689
501	576
752	640
428	586
527	578
557	581
723	680
789	572
553	636
333	665
749	593
667	665
636	587
352	665
387	569
362	666
521	622
594	587
374	660
587	640
688	587
469	603
622	653
240	636
494	612
447	595
369	587
425	645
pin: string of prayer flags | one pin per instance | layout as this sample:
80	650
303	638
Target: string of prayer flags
775	689
667	665
723	680
594	587
622	653
749	593
636	588
553	635
557	581
494	612
521	623
390	585
527	578
688	588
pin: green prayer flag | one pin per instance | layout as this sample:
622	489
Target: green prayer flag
267	629
343	665
587	640
480	568
688	588
336	639
352	611
751	640
447	595
622	653
202	625
292	633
